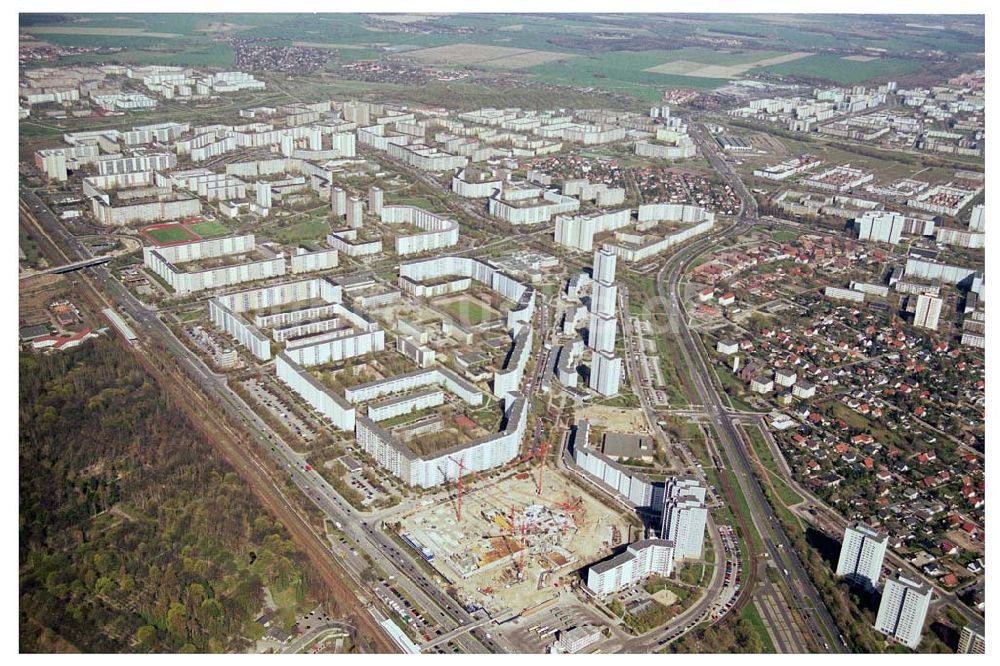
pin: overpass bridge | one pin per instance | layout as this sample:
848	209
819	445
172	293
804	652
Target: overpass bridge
68	268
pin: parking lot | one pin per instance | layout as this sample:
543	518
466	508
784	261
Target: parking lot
732	572
281	410
536	632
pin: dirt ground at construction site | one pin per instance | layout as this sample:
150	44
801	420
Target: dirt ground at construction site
614	418
515	549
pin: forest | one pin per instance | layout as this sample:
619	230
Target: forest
134	536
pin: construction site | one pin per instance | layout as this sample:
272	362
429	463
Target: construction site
509	547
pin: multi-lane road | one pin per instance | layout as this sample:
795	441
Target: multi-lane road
365	542
363	536
777	546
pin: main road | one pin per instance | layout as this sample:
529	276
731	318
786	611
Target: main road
777	545
383	552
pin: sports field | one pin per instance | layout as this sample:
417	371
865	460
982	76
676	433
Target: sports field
209	229
469	311
164	234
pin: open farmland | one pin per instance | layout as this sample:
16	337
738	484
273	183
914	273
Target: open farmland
623	71
689	68
107	32
843	71
478	54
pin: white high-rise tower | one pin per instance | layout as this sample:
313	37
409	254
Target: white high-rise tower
861	555
903	609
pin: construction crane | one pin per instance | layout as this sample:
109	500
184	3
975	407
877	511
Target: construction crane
541	465
461	474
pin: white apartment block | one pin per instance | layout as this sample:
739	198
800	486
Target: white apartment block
977	219
114	164
438	232
683	521
158	207
903	609
163	261
639	246
606	374
531	205
412	273
226	311
508	378
960	237
406	403
444	466
603	331
861	554
881	226
54	162
465	186
577	232
972	640
842	294
330	405
639	561
304	261
604	266
346	241
619	480
928	312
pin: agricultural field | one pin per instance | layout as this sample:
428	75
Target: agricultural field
721	65
621	71
107	32
842	70
486	56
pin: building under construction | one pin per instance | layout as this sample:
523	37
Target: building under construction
512	544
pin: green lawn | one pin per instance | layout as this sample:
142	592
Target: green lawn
750	613
418	202
469	311
788	496
171	234
306	230
209	229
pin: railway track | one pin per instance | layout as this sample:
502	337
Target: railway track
235	449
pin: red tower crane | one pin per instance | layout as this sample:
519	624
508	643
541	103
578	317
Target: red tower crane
541	465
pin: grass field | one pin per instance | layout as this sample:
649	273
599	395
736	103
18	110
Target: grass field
750	613
839	70
783	236
209	229
171	234
788	496
469	311
306	230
